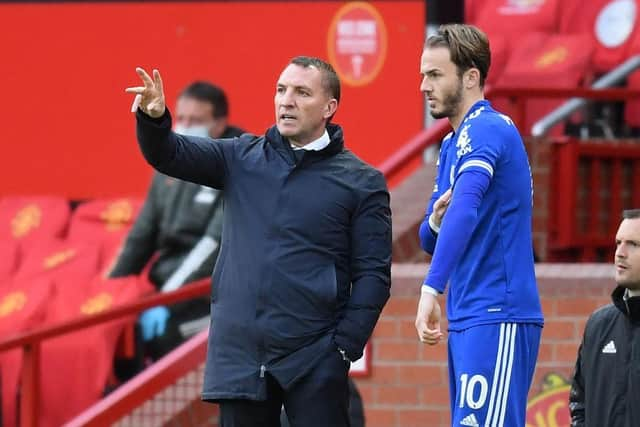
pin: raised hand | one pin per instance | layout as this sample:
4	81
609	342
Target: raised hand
150	97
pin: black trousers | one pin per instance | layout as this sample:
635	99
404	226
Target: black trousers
320	399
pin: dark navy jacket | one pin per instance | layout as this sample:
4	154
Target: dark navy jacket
304	265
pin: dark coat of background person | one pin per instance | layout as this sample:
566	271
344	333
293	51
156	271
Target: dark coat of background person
606	383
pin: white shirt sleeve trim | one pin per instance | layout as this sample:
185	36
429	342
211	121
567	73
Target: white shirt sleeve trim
426	289
477	163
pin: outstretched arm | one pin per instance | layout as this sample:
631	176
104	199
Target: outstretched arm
189	158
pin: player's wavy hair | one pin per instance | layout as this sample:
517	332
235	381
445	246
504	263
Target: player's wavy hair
468	46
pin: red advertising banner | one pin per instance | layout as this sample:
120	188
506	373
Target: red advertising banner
67	128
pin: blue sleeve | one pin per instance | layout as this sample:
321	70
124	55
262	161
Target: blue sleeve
480	146
457	226
427	236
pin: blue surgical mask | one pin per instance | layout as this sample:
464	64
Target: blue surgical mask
199	130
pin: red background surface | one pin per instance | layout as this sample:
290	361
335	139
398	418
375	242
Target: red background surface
66	126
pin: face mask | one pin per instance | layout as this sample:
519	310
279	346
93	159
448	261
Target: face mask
199	130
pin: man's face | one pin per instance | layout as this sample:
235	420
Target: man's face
440	82
193	113
627	258
302	105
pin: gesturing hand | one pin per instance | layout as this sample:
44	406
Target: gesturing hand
150	97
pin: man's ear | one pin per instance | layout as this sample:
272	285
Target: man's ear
471	78
331	108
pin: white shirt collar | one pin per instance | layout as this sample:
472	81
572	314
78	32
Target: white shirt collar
631	293
316	145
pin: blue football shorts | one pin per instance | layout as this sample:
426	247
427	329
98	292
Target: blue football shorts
490	371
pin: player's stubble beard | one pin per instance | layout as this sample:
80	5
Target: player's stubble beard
451	101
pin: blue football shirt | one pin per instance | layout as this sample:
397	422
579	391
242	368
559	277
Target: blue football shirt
484	250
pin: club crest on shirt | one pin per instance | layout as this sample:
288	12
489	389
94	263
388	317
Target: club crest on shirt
464	142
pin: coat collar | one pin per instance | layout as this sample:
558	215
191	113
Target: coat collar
630	306
281	143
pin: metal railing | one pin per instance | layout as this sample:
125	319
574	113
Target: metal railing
30	342
541	127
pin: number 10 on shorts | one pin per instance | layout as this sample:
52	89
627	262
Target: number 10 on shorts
478	386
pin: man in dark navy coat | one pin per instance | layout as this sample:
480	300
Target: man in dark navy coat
304	266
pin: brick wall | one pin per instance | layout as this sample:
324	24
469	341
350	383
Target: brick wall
408	381
408	385
540	160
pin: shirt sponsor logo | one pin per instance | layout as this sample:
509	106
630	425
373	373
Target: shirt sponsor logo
464	142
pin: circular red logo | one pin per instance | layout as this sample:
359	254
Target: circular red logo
357	43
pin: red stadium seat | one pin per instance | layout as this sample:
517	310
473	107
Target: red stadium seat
610	24
9	261
516	18
81	362
32	218
546	61
499	58
471	8
57	258
22	307
632	108
104	220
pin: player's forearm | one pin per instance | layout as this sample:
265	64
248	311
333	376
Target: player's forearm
457	227
428	236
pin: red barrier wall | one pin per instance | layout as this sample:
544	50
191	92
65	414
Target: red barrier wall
66	126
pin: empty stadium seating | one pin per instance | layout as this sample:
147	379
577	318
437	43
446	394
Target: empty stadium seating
28	219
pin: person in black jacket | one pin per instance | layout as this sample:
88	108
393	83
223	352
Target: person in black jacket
181	222
305	262
606	384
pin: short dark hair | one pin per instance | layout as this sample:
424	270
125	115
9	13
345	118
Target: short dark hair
209	93
330	79
631	214
468	47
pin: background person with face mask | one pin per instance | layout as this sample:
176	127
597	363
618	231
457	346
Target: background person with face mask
181	222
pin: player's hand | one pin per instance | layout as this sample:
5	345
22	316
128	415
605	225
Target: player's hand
150	97
428	319
439	208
